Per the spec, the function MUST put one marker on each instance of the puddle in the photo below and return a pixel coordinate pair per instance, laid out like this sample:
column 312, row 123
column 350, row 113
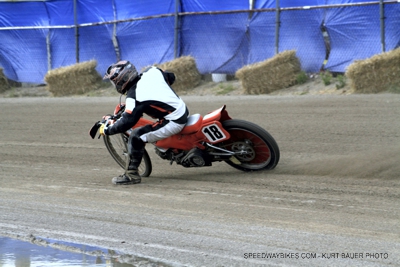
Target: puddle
column 47, row 252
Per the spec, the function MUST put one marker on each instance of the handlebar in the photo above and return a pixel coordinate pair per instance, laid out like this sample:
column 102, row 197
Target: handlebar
column 119, row 110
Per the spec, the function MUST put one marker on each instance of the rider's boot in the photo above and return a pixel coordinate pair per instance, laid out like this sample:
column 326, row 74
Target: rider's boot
column 131, row 175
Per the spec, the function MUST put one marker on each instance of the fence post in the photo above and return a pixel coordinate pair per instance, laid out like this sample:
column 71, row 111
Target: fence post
column 76, row 32
column 382, row 13
column 277, row 26
column 48, row 48
column 176, row 32
column 114, row 34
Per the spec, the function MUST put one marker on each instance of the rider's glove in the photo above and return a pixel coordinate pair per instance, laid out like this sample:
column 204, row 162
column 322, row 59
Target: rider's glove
column 107, row 121
column 103, row 127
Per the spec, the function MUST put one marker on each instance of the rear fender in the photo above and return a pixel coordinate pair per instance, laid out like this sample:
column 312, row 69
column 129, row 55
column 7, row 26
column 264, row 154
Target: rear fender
column 217, row 115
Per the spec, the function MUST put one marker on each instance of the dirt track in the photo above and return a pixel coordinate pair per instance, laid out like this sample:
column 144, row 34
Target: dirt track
column 335, row 192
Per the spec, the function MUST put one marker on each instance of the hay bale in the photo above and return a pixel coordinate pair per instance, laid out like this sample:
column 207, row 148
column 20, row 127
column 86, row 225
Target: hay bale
column 186, row 73
column 4, row 85
column 376, row 74
column 72, row 80
column 270, row 75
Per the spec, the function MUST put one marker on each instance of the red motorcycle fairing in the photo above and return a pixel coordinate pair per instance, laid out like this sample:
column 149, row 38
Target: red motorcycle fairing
column 210, row 130
column 119, row 108
column 204, row 129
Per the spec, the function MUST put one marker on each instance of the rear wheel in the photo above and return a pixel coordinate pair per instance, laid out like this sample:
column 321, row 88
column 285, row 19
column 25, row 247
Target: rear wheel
column 257, row 149
column 117, row 145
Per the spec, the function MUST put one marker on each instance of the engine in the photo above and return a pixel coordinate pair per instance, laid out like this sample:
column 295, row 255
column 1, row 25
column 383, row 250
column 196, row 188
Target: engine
column 194, row 158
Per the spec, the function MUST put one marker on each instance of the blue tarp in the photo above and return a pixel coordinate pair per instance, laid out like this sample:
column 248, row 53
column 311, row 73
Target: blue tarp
column 212, row 5
column 392, row 26
column 220, row 43
column 146, row 42
column 262, row 36
column 301, row 31
column 217, row 42
column 354, row 35
column 23, row 53
column 215, row 53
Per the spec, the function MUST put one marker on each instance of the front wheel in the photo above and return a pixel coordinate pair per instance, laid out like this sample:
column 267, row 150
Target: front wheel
column 117, row 145
column 256, row 149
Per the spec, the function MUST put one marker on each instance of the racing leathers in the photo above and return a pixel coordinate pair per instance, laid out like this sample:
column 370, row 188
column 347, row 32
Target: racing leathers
column 151, row 95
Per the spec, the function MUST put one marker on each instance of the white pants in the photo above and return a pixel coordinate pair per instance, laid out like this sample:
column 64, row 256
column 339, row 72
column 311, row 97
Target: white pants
column 164, row 131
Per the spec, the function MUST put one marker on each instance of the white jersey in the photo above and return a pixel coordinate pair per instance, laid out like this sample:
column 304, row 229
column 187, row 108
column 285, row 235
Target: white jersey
column 153, row 96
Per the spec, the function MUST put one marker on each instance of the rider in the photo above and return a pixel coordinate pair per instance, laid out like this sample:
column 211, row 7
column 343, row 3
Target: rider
column 149, row 93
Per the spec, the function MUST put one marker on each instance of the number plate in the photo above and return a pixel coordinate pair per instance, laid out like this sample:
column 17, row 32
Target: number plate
column 213, row 133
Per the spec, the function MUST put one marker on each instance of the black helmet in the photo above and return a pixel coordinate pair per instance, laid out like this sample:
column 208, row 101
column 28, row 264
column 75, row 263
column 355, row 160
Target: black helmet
column 120, row 74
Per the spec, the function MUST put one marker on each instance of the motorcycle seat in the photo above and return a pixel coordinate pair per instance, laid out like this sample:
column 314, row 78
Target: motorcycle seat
column 193, row 124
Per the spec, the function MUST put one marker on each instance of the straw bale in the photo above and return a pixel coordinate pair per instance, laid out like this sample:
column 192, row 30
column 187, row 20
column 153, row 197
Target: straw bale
column 75, row 79
column 4, row 85
column 376, row 74
column 187, row 76
column 270, row 75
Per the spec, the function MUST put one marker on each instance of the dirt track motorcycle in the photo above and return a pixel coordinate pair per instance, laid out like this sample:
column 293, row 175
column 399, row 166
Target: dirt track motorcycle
column 214, row 137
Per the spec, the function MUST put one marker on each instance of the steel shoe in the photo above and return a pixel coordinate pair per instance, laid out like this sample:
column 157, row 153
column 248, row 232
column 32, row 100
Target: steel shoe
column 130, row 177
